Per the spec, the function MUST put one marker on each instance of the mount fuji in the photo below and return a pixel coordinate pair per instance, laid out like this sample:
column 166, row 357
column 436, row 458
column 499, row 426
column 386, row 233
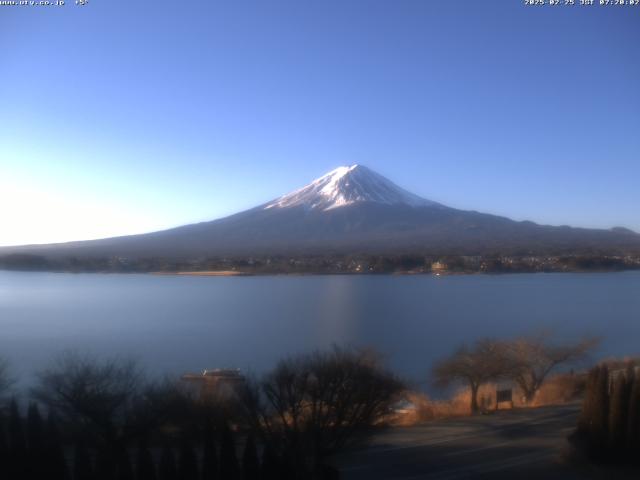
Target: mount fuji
column 347, row 186
column 349, row 210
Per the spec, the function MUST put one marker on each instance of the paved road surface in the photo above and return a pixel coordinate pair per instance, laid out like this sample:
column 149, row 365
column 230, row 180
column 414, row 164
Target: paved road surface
column 514, row 444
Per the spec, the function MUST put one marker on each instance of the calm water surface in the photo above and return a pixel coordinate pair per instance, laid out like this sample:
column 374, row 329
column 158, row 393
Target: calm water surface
column 176, row 324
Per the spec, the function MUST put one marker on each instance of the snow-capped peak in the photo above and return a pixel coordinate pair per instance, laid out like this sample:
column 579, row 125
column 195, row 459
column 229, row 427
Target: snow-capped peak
column 345, row 186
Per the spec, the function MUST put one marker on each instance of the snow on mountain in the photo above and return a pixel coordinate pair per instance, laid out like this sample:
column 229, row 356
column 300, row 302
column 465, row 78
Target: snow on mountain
column 345, row 186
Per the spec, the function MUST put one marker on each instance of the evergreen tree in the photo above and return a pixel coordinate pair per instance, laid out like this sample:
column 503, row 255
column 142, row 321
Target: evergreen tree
column 145, row 468
column 187, row 461
column 209, row 455
column 229, row 468
column 55, row 461
column 35, row 428
column 618, row 412
column 586, row 414
column 250, row 462
column 106, row 464
column 35, row 442
column 167, row 469
column 598, row 431
column 18, row 462
column 633, row 420
column 270, row 466
column 82, row 467
column 326, row 472
column 124, row 470
column 290, row 466
column 4, row 450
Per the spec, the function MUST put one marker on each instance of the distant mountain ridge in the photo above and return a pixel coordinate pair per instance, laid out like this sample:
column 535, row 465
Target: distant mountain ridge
column 349, row 210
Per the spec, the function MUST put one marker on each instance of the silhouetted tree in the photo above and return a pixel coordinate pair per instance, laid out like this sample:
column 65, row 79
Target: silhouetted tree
column 145, row 468
column 167, row 469
column 5, row 467
column 270, row 465
column 93, row 394
column 154, row 404
column 35, row 442
column 588, row 404
column 618, row 412
column 293, row 467
column 229, row 468
column 599, row 431
column 210, row 470
column 5, row 379
column 486, row 361
column 327, row 472
column 250, row 461
column 56, row 463
column 633, row 423
column 187, row 461
column 82, row 466
column 124, row 470
column 106, row 463
column 18, row 463
column 35, row 429
column 609, row 424
column 315, row 405
column 109, row 399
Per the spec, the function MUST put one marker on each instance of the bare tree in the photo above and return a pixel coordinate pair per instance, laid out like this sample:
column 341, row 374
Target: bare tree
column 5, row 380
column 484, row 362
column 109, row 398
column 315, row 405
column 531, row 359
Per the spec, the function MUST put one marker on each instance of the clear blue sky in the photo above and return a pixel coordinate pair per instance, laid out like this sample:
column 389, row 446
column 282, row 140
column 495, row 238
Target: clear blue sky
column 121, row 117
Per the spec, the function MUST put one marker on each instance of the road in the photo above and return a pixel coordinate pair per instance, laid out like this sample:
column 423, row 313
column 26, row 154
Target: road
column 514, row 444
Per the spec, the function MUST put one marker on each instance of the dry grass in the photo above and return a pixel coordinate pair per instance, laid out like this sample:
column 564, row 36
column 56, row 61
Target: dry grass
column 559, row 389
column 459, row 405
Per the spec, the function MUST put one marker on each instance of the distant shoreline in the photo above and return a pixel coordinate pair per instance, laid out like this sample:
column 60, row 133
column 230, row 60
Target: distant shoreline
column 363, row 264
column 358, row 274
column 231, row 273
column 207, row 273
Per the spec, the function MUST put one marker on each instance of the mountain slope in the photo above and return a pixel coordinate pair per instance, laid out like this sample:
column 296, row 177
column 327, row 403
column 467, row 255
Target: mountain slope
column 350, row 210
column 347, row 186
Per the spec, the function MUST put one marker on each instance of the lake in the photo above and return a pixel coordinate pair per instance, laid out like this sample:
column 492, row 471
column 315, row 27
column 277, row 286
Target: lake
column 176, row 324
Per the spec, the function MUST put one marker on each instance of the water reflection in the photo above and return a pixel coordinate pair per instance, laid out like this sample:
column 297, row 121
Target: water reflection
column 177, row 324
